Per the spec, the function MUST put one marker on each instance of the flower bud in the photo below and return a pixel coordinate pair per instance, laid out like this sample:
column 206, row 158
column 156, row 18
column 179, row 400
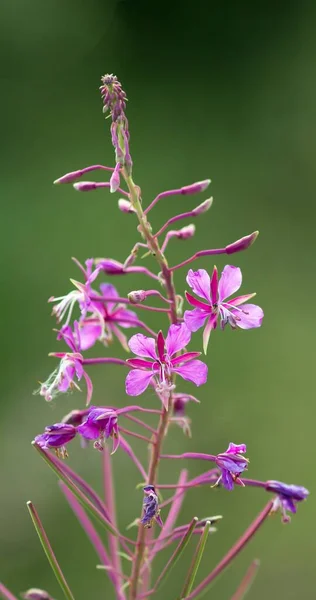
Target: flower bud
column 125, row 206
column 202, row 208
column 69, row 177
column 242, row 244
column 86, row 186
column 115, row 179
column 195, row 188
column 110, row 266
column 186, row 232
column 36, row 594
column 136, row 296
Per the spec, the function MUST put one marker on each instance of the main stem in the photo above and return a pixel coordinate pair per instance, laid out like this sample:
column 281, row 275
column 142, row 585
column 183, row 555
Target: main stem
column 153, row 245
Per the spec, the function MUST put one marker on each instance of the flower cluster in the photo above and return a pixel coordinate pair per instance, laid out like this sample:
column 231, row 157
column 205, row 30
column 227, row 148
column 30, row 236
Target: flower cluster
column 162, row 359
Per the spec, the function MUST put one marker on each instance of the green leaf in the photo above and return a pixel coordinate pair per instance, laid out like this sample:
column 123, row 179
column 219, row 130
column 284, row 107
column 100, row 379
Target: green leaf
column 49, row 551
column 193, row 569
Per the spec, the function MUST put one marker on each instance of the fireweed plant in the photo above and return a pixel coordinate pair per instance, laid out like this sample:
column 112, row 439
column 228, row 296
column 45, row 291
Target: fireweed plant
column 160, row 360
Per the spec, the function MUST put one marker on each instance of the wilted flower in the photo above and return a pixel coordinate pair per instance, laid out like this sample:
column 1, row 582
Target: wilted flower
column 217, row 306
column 65, row 304
column 179, row 402
column 163, row 362
column 56, row 437
column 287, row 497
column 151, row 510
column 99, row 424
column 62, row 379
column 232, row 464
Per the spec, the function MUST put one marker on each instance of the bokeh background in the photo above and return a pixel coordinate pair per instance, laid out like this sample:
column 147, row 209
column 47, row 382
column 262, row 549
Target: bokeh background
column 216, row 90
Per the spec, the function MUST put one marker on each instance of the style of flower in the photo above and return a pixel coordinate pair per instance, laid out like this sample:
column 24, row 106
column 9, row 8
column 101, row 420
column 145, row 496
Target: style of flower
column 56, row 437
column 63, row 378
column 232, row 464
column 287, row 497
column 100, row 424
column 163, row 363
column 217, row 306
column 151, row 510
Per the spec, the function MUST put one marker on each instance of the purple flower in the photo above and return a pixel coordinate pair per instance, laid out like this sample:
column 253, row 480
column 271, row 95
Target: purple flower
column 99, row 424
column 287, row 497
column 163, row 362
column 151, row 510
column 217, row 306
column 232, row 464
column 56, row 436
column 62, row 379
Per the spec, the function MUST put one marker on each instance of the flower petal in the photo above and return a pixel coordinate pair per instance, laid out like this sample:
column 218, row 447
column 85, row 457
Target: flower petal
column 89, row 334
column 120, row 315
column 187, row 357
column 227, row 480
column 109, row 291
column 236, row 448
column 195, row 371
column 140, row 363
column 210, row 325
column 249, row 316
column 214, row 285
column 197, row 303
column 194, row 319
column 178, row 337
column 141, row 345
column 199, row 281
column 137, row 381
column 229, row 282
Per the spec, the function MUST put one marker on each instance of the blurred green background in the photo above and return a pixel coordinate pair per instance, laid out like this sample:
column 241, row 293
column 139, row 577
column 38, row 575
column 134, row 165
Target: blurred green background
column 221, row 91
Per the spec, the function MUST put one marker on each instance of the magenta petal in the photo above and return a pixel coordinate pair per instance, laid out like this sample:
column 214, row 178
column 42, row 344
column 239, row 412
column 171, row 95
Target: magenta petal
column 236, row 448
column 211, row 324
column 229, row 282
column 140, row 363
column 141, row 345
column 89, row 388
column 195, row 319
column 66, row 378
column 249, row 316
column 197, row 303
column 187, row 357
column 178, row 337
column 137, row 381
column 109, row 291
column 199, row 281
column 195, row 371
column 240, row 299
column 89, row 334
column 214, row 285
column 129, row 315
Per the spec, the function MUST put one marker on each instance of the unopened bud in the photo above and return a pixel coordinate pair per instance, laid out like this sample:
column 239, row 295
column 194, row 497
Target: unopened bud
column 110, row 266
column 86, row 186
column 36, row 594
column 202, row 208
column 69, row 177
column 242, row 244
column 196, row 188
column 186, row 232
column 126, row 206
column 137, row 296
column 115, row 179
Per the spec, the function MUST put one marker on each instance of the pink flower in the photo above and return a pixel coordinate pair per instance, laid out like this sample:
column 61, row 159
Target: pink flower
column 163, row 362
column 217, row 306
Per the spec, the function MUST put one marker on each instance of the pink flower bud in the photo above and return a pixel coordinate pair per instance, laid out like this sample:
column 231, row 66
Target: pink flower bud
column 69, row 177
column 125, row 206
column 137, row 296
column 242, row 244
column 86, row 186
column 196, row 188
column 202, row 208
column 110, row 266
column 186, row 232
column 36, row 594
column 115, row 179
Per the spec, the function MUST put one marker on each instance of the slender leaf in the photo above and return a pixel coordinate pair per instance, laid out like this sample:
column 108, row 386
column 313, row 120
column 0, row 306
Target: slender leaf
column 81, row 497
column 49, row 552
column 247, row 581
column 193, row 569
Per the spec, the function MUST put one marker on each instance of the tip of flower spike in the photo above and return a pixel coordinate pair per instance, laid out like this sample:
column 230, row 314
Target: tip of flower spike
column 242, row 244
column 196, row 188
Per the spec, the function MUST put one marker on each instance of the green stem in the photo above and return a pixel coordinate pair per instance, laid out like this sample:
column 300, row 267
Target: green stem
column 49, row 552
column 153, row 245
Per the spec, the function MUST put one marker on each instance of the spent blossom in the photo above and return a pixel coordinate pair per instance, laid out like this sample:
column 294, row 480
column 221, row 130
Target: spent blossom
column 63, row 378
column 288, row 495
column 217, row 306
column 56, row 437
column 164, row 362
column 100, row 424
column 232, row 464
column 151, row 510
